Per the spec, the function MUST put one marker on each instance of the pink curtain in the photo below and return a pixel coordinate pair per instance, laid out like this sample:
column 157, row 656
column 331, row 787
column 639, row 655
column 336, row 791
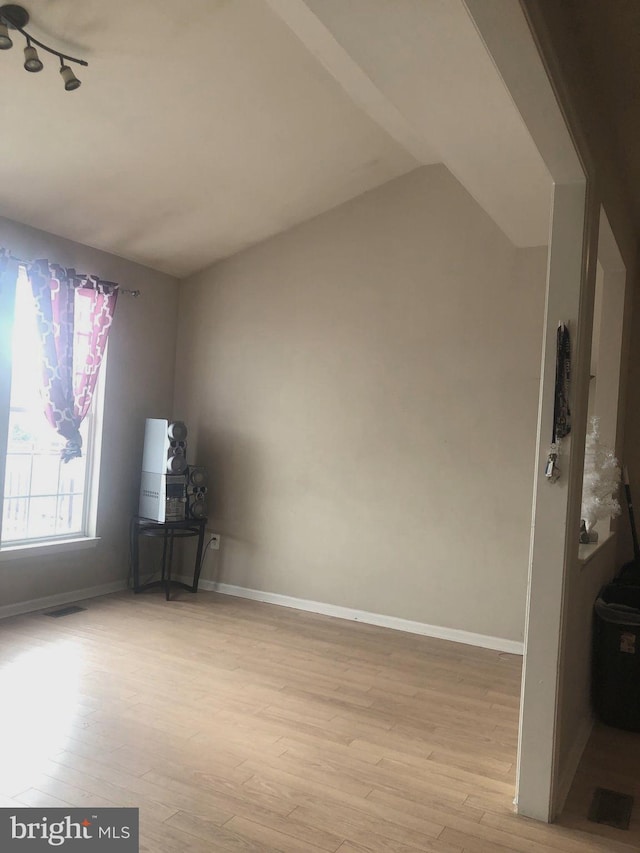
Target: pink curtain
column 71, row 356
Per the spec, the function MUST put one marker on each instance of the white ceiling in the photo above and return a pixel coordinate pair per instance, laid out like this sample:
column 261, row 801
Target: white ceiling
column 206, row 126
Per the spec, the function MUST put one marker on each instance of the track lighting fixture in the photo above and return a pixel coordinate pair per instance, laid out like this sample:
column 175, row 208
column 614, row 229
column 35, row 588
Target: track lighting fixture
column 32, row 61
column 5, row 38
column 71, row 82
column 13, row 17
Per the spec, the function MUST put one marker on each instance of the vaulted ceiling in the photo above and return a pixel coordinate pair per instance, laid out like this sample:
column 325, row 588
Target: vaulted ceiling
column 204, row 127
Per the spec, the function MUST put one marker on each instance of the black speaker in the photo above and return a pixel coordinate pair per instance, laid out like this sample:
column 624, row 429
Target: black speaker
column 177, row 457
column 196, row 492
column 177, row 450
column 197, row 476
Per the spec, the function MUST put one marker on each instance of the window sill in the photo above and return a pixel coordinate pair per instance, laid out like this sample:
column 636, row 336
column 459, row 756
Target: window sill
column 588, row 552
column 35, row 549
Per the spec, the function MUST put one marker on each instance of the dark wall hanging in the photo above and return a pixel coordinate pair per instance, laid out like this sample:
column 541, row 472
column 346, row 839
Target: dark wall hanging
column 561, row 410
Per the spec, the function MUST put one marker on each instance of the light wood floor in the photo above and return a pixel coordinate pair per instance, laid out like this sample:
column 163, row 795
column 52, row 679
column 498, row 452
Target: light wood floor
column 611, row 760
column 245, row 727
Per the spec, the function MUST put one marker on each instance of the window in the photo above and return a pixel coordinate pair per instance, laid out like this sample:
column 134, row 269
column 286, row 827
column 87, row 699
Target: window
column 606, row 344
column 44, row 498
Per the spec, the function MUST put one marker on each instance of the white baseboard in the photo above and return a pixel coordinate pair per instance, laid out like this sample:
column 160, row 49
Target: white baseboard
column 573, row 760
column 455, row 635
column 62, row 598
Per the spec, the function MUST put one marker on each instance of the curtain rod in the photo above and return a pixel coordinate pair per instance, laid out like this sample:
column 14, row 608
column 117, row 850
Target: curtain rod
column 80, row 277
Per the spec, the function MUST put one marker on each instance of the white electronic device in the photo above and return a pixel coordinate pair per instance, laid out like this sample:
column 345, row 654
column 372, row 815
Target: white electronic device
column 163, row 486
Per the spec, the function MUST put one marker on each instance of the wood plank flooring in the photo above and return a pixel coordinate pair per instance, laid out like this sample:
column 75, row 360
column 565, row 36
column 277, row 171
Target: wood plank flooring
column 611, row 760
column 239, row 726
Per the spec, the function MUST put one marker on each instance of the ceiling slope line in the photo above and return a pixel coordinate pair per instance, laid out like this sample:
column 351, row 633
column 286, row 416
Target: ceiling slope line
column 349, row 75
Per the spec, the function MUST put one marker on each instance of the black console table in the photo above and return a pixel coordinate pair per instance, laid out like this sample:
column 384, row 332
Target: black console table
column 169, row 530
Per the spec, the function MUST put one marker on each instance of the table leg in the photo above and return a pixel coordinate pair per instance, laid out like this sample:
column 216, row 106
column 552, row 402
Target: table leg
column 134, row 555
column 164, row 553
column 163, row 579
column 168, row 587
column 198, row 566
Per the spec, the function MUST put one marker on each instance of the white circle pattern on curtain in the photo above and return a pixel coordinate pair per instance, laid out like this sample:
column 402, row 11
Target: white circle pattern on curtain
column 71, row 357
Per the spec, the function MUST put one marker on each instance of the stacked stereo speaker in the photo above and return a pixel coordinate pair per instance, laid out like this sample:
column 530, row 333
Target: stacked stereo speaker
column 170, row 489
column 196, row 492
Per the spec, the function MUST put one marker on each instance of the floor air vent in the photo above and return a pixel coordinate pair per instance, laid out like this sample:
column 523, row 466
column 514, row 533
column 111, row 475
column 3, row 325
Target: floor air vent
column 65, row 611
column 611, row 807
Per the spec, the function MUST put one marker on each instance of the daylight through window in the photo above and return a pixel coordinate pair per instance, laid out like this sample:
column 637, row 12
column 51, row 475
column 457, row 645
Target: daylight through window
column 44, row 498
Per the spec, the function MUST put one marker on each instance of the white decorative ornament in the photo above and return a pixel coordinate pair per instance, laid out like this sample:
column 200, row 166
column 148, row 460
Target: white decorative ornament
column 601, row 479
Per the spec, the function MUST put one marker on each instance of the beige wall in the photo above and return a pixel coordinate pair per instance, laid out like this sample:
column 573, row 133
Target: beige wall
column 139, row 384
column 363, row 389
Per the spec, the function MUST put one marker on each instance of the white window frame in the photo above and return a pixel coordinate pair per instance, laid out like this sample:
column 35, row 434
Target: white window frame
column 53, row 544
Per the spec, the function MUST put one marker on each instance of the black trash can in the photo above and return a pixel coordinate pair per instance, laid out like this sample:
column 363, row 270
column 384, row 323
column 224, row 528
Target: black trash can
column 616, row 656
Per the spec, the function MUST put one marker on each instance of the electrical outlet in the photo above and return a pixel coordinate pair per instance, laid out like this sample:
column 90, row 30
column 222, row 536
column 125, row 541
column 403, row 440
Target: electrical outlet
column 214, row 541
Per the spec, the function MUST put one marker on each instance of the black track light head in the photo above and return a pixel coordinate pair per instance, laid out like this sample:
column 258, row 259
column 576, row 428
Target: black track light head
column 71, row 82
column 32, row 61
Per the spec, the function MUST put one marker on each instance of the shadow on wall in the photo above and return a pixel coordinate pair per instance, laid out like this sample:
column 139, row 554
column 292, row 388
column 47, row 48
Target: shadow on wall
column 234, row 471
